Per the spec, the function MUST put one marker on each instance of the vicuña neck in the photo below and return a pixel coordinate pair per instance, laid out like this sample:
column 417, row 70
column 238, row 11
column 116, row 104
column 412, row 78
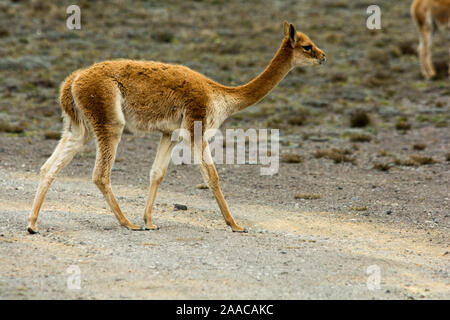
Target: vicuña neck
column 250, row 93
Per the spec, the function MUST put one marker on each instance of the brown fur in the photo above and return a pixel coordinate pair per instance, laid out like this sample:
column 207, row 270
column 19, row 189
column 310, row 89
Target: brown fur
column 427, row 14
column 99, row 100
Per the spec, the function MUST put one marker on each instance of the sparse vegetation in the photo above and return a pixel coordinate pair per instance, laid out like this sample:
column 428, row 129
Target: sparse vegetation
column 335, row 154
column 163, row 36
column 297, row 120
column 402, row 124
column 406, row 163
column 291, row 158
column 307, row 196
column 419, row 146
column 338, row 77
column 407, row 47
column 55, row 135
column 364, row 208
column 415, row 160
column 216, row 46
column 382, row 166
column 422, row 160
column 360, row 137
column 359, row 119
column 385, row 153
column 11, row 127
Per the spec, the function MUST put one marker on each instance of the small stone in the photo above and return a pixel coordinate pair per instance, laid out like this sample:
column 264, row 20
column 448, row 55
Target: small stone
column 179, row 206
column 388, row 212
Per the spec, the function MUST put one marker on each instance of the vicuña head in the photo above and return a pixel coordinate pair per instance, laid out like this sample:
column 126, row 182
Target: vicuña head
column 305, row 52
column 152, row 96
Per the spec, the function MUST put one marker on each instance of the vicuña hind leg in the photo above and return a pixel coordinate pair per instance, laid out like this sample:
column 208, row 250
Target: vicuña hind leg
column 107, row 140
column 211, row 177
column 157, row 174
column 71, row 142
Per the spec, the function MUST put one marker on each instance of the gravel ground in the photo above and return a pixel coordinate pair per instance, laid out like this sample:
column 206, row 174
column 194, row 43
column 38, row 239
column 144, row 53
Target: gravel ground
column 296, row 249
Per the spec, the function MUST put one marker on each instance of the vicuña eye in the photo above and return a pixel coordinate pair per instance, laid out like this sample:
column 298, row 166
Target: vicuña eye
column 307, row 48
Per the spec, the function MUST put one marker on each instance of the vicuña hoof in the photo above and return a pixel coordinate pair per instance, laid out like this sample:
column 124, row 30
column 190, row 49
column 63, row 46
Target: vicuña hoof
column 32, row 230
column 242, row 230
column 152, row 227
column 134, row 227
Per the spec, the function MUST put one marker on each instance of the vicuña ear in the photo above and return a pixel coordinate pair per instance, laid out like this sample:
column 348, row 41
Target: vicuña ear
column 286, row 28
column 292, row 35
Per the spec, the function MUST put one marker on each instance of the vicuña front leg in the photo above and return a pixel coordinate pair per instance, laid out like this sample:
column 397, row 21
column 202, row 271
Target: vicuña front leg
column 107, row 141
column 211, row 177
column 157, row 174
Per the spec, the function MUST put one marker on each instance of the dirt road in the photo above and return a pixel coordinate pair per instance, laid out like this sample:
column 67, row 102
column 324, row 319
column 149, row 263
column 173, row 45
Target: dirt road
column 294, row 250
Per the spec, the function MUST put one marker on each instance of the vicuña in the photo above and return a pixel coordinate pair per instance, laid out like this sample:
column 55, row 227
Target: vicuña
column 153, row 96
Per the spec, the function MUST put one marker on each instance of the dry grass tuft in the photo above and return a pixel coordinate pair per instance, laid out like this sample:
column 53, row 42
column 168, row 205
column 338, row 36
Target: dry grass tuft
column 360, row 208
column 360, row 137
column 419, row 146
column 307, row 196
column 359, row 119
column 407, row 47
column 52, row 135
column 406, row 163
column 415, row 160
column 163, row 36
column 11, row 127
column 382, row 166
column 337, row 155
column 292, row 158
column 402, row 124
column 297, row 121
column 422, row 160
column 338, row 77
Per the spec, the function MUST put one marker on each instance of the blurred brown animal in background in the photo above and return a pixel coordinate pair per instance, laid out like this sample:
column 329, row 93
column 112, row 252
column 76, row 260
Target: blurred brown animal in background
column 428, row 14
